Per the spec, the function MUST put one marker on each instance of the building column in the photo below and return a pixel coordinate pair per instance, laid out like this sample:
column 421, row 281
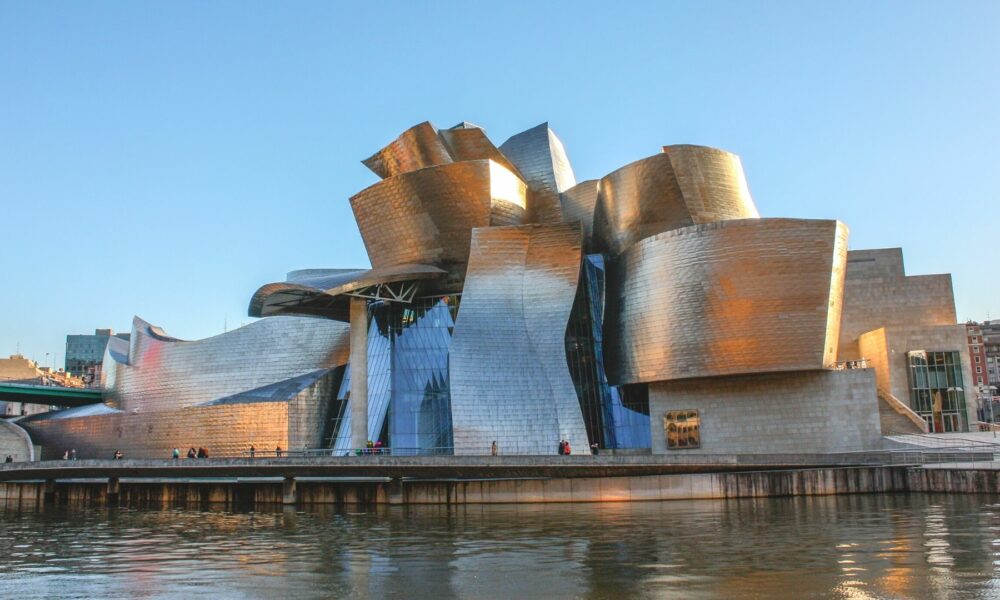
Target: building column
column 359, row 372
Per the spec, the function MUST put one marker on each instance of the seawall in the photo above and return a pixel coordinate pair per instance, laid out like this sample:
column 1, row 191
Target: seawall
column 239, row 493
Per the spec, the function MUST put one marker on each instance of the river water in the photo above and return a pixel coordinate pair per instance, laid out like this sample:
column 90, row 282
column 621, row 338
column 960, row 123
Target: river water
column 891, row 546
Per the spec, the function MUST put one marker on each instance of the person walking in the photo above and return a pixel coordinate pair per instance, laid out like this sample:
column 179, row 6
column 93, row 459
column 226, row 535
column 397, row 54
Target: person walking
column 192, row 453
column 72, row 454
column 176, row 453
column 253, row 451
column 9, row 459
column 493, row 448
column 119, row 455
column 277, row 451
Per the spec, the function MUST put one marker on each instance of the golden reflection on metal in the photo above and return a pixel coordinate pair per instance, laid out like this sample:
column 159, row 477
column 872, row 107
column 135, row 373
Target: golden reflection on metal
column 416, row 148
column 427, row 216
column 578, row 205
column 466, row 141
column 732, row 297
column 683, row 186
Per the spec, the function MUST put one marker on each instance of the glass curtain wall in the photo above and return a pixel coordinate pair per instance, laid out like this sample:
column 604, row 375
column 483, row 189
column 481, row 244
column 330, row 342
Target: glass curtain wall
column 614, row 419
column 937, row 391
column 409, row 398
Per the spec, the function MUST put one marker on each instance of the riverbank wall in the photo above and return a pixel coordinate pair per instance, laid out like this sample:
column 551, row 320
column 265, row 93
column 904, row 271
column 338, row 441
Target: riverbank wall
column 243, row 494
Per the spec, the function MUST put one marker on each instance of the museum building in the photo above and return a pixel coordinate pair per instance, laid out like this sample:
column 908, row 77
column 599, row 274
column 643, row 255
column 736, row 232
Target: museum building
column 652, row 310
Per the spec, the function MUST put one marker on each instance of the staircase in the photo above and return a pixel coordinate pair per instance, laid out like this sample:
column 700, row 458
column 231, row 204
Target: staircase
column 897, row 417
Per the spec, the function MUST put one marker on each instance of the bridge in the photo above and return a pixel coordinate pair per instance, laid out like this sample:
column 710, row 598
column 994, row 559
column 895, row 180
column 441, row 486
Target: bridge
column 48, row 394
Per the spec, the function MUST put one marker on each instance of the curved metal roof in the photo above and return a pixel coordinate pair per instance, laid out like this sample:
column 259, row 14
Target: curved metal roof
column 327, row 295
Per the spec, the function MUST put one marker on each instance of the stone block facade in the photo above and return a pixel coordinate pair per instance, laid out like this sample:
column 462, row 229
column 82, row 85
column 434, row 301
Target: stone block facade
column 809, row 411
column 885, row 349
column 878, row 293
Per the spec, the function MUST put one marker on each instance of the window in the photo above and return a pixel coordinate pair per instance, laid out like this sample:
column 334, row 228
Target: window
column 936, row 389
column 979, row 369
column 977, row 359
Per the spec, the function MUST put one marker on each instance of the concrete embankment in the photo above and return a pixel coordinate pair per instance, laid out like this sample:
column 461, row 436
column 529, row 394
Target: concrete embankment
column 241, row 493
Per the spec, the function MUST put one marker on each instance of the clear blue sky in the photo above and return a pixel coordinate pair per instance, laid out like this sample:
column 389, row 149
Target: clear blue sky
column 165, row 159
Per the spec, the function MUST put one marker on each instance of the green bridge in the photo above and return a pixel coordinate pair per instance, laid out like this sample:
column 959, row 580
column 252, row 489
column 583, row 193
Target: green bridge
column 48, row 394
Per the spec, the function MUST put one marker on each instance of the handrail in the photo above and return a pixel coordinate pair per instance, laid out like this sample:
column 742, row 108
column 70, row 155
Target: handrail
column 903, row 409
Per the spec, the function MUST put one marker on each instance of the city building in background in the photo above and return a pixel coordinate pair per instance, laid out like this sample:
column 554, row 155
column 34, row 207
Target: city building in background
column 85, row 353
column 16, row 369
column 652, row 310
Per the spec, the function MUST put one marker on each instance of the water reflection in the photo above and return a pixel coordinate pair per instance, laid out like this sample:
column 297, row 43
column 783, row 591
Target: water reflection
column 841, row 547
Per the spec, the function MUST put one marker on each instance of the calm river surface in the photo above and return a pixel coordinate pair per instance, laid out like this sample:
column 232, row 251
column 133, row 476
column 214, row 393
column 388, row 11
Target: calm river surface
column 897, row 546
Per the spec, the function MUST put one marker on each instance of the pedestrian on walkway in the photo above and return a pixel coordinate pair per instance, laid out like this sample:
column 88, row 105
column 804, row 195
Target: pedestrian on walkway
column 176, row 453
column 253, row 451
column 192, row 453
column 277, row 451
column 493, row 448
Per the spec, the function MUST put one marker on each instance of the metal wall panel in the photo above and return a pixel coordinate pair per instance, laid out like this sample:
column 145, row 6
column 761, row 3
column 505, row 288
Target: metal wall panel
column 578, row 205
column 427, row 216
column 163, row 373
column 416, row 148
column 539, row 155
column 509, row 376
column 683, row 186
column 466, row 141
column 731, row 297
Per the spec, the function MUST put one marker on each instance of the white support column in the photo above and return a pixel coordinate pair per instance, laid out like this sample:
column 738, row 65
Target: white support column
column 359, row 372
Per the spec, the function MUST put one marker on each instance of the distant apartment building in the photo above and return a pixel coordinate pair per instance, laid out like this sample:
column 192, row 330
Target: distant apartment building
column 991, row 347
column 977, row 353
column 84, row 353
column 18, row 369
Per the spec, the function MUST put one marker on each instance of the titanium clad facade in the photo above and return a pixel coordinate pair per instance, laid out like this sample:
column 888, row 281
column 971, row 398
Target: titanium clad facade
column 163, row 373
column 416, row 148
column 684, row 186
column 540, row 157
column 578, row 205
column 427, row 216
column 466, row 141
column 509, row 376
column 732, row 297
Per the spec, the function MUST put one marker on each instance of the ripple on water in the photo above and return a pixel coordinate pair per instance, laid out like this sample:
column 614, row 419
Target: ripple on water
column 846, row 547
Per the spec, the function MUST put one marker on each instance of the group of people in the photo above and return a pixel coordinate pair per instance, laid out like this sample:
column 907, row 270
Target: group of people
column 375, row 447
column 69, row 454
column 9, row 459
column 277, row 451
column 201, row 452
column 564, row 449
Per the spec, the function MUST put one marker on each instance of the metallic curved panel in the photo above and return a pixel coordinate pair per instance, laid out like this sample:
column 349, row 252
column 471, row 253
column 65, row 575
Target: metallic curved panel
column 416, row 148
column 683, row 186
column 326, row 294
column 540, row 157
column 509, row 377
column 166, row 375
column 578, row 205
column 427, row 216
column 731, row 297
column 466, row 141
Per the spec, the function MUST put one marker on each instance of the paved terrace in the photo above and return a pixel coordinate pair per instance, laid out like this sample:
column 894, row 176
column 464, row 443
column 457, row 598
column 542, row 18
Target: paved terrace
column 458, row 467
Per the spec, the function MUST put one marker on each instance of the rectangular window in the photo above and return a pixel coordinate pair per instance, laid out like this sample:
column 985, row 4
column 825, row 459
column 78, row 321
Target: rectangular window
column 936, row 389
column 979, row 369
column 977, row 359
column 683, row 429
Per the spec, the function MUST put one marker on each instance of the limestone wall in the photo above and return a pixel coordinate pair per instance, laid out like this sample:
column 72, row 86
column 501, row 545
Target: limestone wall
column 877, row 293
column 810, row 411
